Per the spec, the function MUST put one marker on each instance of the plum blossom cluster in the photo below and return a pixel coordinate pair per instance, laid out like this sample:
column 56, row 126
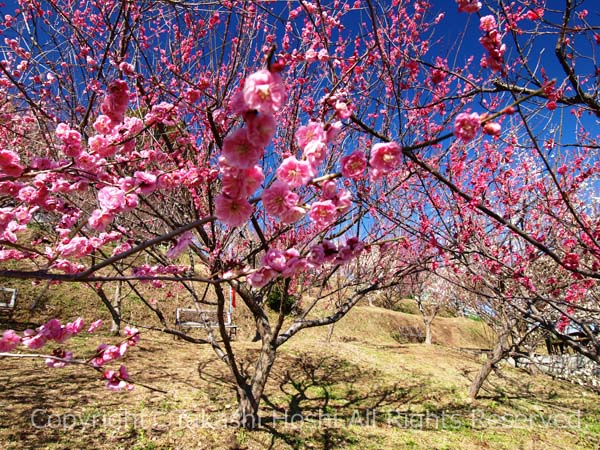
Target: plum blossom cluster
column 181, row 244
column 146, row 272
column 466, row 126
column 13, row 220
column 54, row 331
column 333, row 202
column 49, row 183
column 116, row 380
column 263, row 94
column 492, row 42
column 288, row 263
column 106, row 353
column 80, row 246
column 282, row 202
column 116, row 139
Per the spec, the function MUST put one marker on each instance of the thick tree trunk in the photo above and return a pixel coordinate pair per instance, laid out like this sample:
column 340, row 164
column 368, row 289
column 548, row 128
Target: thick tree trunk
column 249, row 399
column 247, row 413
column 501, row 350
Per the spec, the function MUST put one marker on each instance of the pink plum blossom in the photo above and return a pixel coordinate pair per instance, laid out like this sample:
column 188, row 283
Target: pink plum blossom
column 111, row 199
column 385, row 157
column 466, row 126
column 349, row 251
column 232, row 211
column 53, row 330
column 329, row 190
column 78, row 246
column 260, row 128
column 59, row 353
column 571, row 261
column 321, row 253
column 323, row 213
column 281, row 202
column 133, row 333
column 295, row 173
column 103, row 125
column 115, row 103
column 71, row 140
column 164, row 113
column 107, row 353
column 261, row 277
column 237, row 183
column 127, row 69
column 100, row 219
column 76, row 326
column 95, row 325
column 487, row 23
column 146, row 182
column 294, row 265
column 354, row 165
column 239, row 152
column 313, row 131
column 492, row 128
column 275, row 259
column 333, row 131
column 264, row 92
column 182, row 243
column 35, row 341
column 341, row 199
column 67, row 266
column 293, row 215
column 102, row 146
column 117, row 381
column 237, row 104
column 342, row 110
column 9, row 341
column 315, row 152
column 10, row 164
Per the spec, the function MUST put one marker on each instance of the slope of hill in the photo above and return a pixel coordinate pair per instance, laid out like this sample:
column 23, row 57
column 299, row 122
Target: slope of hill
column 370, row 324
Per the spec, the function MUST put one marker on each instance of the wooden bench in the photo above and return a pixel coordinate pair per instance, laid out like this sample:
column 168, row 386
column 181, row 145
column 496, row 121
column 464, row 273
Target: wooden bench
column 8, row 301
column 188, row 318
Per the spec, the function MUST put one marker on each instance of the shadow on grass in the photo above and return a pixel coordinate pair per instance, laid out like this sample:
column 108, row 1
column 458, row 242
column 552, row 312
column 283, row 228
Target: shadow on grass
column 326, row 392
column 311, row 386
column 41, row 407
column 34, row 402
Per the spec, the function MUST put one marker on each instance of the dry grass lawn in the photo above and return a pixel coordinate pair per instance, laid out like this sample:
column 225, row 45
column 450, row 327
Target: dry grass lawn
column 360, row 390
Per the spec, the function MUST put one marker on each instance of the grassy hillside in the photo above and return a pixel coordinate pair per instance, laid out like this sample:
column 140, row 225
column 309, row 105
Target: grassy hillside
column 370, row 324
column 360, row 389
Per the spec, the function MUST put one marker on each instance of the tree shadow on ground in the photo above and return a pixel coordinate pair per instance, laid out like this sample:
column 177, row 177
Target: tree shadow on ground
column 310, row 386
column 324, row 391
